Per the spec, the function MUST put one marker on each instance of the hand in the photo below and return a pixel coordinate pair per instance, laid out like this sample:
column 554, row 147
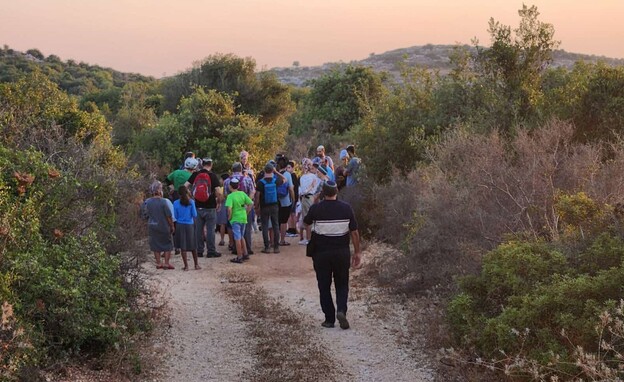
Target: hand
column 356, row 260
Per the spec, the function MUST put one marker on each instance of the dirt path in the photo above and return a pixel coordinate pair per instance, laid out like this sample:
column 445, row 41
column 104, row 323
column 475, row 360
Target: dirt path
column 261, row 320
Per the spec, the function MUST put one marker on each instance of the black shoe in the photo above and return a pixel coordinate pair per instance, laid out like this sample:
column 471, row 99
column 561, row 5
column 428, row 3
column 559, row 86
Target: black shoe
column 266, row 250
column 246, row 257
column 237, row 260
column 201, row 255
column 327, row 324
column 276, row 250
column 216, row 254
column 342, row 319
column 250, row 252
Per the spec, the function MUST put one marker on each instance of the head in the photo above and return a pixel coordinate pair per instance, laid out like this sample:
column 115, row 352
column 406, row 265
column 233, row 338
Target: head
column 155, row 188
column 268, row 170
column 244, row 157
column 351, row 150
column 237, row 167
column 190, row 164
column 207, row 163
column 234, row 183
column 290, row 167
column 281, row 161
column 189, row 154
column 306, row 165
column 185, row 195
column 344, row 156
column 320, row 151
column 330, row 189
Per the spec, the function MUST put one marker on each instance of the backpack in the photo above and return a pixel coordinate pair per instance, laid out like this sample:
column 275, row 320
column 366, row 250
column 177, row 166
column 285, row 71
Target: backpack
column 202, row 187
column 270, row 191
column 282, row 190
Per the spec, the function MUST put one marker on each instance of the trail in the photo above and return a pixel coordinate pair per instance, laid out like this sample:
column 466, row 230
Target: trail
column 261, row 320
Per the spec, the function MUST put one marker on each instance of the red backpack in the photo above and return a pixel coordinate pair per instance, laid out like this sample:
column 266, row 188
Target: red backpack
column 202, row 187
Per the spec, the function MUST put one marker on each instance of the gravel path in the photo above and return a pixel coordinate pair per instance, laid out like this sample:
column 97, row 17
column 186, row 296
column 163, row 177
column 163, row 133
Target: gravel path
column 208, row 339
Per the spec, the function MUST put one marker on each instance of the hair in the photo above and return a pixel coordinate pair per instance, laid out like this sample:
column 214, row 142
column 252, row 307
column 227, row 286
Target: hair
column 234, row 185
column 189, row 154
column 291, row 163
column 237, row 167
column 224, row 176
column 351, row 149
column 185, row 195
column 330, row 189
column 155, row 187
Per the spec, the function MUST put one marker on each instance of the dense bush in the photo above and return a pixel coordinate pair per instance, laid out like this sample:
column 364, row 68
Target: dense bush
column 66, row 198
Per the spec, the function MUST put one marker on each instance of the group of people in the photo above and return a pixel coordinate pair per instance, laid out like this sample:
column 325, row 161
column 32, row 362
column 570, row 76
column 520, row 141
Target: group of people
column 285, row 203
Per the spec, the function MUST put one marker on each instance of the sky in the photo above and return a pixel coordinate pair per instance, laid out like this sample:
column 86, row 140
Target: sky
column 164, row 37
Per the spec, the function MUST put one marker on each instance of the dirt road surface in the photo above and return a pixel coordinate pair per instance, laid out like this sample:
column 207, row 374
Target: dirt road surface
column 260, row 321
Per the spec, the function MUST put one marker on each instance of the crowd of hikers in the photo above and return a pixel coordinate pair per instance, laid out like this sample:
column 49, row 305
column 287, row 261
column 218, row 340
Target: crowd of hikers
column 274, row 199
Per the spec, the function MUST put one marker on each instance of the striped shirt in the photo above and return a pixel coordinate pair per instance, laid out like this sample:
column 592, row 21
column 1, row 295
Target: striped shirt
column 332, row 222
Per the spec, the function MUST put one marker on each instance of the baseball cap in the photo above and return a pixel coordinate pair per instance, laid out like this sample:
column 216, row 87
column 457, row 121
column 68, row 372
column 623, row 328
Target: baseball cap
column 343, row 154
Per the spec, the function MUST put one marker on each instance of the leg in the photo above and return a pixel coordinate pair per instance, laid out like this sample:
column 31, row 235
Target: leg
column 195, row 260
column 340, row 267
column 211, row 222
column 167, row 258
column 276, row 225
column 184, row 260
column 157, row 258
column 322, row 268
column 264, row 217
column 200, row 222
column 248, row 232
column 222, row 234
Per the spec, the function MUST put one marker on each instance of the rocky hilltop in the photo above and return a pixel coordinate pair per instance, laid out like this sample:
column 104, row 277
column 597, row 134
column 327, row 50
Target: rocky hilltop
column 435, row 57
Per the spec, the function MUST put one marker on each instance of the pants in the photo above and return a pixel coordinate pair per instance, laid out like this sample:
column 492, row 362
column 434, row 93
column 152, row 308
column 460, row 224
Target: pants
column 328, row 265
column 270, row 213
column 248, row 229
column 206, row 217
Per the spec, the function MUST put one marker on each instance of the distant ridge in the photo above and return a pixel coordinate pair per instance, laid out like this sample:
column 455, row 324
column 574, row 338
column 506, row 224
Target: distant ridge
column 430, row 56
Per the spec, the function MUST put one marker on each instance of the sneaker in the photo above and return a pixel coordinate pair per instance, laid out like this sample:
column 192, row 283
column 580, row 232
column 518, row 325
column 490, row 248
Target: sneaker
column 284, row 243
column 266, row 250
column 216, row 254
column 327, row 324
column 304, row 242
column 290, row 234
column 237, row 260
column 276, row 250
column 342, row 319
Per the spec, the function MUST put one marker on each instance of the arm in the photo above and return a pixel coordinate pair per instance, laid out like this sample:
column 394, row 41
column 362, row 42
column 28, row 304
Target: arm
column 171, row 225
column 356, row 259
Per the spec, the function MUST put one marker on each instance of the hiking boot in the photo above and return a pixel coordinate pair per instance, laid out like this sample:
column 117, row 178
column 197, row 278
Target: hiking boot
column 276, row 250
column 327, row 324
column 266, row 250
column 342, row 319
column 216, row 254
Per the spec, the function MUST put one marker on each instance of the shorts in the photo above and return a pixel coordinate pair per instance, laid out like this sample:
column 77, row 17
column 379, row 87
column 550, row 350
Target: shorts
column 238, row 230
column 306, row 203
column 284, row 214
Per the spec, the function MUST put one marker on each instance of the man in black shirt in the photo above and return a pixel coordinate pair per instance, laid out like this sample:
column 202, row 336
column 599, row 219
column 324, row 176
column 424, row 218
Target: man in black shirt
column 206, row 211
column 333, row 224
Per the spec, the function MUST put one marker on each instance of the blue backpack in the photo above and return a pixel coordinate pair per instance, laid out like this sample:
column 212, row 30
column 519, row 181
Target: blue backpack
column 282, row 189
column 270, row 191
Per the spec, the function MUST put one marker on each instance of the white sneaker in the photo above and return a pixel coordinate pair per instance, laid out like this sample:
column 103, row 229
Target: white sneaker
column 292, row 234
column 304, row 242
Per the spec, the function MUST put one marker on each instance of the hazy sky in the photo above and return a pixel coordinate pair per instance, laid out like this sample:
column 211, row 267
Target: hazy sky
column 158, row 37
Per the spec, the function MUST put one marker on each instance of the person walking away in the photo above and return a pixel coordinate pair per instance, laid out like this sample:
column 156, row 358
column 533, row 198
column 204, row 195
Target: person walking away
column 353, row 167
column 333, row 224
column 266, row 204
column 309, row 184
column 203, row 184
column 178, row 177
column 285, row 201
column 238, row 205
column 246, row 185
column 185, row 214
column 222, row 221
column 160, row 225
column 320, row 154
column 292, row 221
column 341, row 178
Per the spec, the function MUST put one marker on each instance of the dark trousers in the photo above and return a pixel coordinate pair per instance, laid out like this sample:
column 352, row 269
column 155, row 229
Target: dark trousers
column 270, row 213
column 333, row 265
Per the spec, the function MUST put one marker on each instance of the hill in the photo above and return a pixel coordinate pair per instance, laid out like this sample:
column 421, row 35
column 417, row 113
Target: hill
column 73, row 77
column 435, row 57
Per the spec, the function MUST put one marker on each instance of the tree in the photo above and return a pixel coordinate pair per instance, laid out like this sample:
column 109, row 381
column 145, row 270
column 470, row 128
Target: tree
column 512, row 66
column 340, row 99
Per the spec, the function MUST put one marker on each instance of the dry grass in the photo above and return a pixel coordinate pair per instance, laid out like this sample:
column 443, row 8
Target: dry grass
column 283, row 347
